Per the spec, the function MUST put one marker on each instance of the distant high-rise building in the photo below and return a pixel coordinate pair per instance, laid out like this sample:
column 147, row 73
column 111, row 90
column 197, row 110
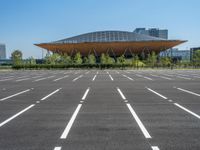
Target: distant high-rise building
column 192, row 51
column 155, row 32
column 2, row 51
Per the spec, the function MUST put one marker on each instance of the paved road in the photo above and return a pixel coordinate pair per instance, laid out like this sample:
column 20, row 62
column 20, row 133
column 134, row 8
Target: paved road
column 100, row 110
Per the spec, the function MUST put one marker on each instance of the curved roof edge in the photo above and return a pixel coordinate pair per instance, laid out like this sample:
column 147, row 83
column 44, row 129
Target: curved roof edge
column 108, row 36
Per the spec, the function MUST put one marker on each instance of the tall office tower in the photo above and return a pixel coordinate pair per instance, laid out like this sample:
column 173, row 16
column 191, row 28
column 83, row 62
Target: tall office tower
column 2, row 51
column 155, row 32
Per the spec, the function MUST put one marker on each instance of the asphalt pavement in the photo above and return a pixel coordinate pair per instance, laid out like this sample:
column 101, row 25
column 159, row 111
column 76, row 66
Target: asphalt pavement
column 100, row 110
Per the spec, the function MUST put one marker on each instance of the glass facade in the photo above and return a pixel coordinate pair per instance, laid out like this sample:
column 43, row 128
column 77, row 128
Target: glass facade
column 183, row 55
column 152, row 32
column 108, row 36
column 2, row 51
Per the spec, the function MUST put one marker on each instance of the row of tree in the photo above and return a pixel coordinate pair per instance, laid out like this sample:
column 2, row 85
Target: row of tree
column 152, row 60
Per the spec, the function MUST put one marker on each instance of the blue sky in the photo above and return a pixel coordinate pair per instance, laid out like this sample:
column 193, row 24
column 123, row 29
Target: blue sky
column 25, row 22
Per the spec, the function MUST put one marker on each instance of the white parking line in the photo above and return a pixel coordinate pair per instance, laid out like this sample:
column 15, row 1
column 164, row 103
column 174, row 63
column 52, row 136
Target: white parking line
column 43, row 78
column 147, row 78
column 60, row 78
column 155, row 148
column 183, row 75
column 36, row 77
column 6, row 79
column 127, row 72
column 69, row 125
column 127, row 77
column 16, row 115
column 188, row 91
column 67, row 72
column 166, row 78
column 184, row 78
column 3, row 99
column 144, row 77
column 168, row 75
column 187, row 110
column 111, row 77
column 122, row 95
column 157, row 93
column 94, row 77
column 85, row 94
column 196, row 77
column 77, row 78
column 137, row 119
column 77, row 72
column 161, row 77
column 57, row 148
column 51, row 94
column 87, row 72
column 22, row 79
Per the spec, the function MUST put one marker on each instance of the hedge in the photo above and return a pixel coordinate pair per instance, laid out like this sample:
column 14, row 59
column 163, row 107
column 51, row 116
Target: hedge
column 78, row 66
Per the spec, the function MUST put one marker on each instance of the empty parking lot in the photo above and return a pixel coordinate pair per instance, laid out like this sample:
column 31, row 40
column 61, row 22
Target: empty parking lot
column 100, row 109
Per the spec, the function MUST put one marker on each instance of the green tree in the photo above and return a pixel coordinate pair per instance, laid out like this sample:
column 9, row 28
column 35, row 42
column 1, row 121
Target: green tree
column 85, row 60
column 165, row 61
column 78, row 58
column 66, row 59
column 16, row 57
column 91, row 59
column 53, row 59
column 135, row 61
column 121, row 60
column 103, row 59
column 31, row 61
column 152, row 59
column 109, row 60
column 196, row 58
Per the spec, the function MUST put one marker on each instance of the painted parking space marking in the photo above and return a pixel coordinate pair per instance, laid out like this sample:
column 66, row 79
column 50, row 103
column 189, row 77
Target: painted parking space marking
column 121, row 94
column 7, row 79
column 16, row 115
column 156, row 93
column 135, row 116
column 94, row 77
column 187, row 110
column 77, row 78
column 85, row 94
column 138, row 75
column 183, row 77
column 60, row 78
column 3, row 99
column 176, row 104
column 155, row 148
column 22, row 79
column 187, row 91
column 87, row 72
column 57, row 148
column 69, row 125
column 36, row 77
column 51, row 94
column 43, row 78
column 111, row 77
column 161, row 77
column 142, row 127
column 127, row 77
